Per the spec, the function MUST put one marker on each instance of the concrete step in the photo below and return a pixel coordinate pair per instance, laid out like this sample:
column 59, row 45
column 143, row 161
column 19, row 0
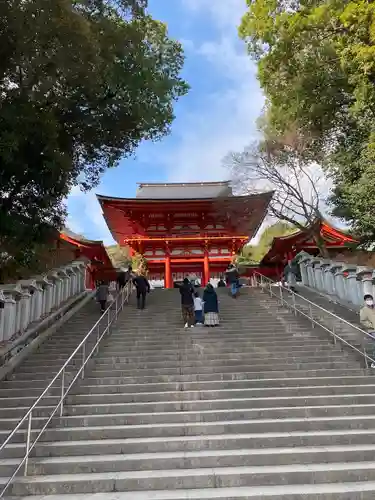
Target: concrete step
column 341, row 363
column 361, row 490
column 88, row 464
column 262, row 407
column 260, row 426
column 91, row 418
column 118, row 378
column 223, row 441
column 192, row 354
column 215, row 477
column 363, row 384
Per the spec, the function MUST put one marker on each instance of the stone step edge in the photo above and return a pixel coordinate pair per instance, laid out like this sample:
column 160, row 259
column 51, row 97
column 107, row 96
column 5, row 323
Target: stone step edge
column 349, row 418
column 210, row 437
column 190, row 401
column 86, row 416
column 215, row 471
column 119, row 457
column 299, row 491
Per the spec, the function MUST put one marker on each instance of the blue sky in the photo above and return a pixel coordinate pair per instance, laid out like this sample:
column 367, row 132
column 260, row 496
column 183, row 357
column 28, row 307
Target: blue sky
column 217, row 116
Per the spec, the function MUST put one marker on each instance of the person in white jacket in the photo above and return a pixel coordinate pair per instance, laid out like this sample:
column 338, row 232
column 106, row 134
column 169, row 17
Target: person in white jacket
column 198, row 309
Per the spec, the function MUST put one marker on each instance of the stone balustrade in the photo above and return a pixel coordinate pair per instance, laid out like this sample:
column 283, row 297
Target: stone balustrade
column 27, row 302
column 346, row 283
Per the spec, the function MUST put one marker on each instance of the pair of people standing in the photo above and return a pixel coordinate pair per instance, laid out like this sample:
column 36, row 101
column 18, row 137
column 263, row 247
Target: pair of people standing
column 193, row 306
column 233, row 279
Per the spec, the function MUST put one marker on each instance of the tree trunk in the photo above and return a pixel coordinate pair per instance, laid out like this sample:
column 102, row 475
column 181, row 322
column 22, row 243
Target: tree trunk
column 320, row 243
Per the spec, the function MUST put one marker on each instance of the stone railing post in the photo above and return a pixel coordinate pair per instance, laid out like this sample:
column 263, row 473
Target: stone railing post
column 365, row 283
column 12, row 306
column 303, row 263
column 328, row 280
column 350, row 283
column 64, row 288
column 310, row 273
column 79, row 268
column 338, row 279
column 45, row 287
column 318, row 273
column 28, row 288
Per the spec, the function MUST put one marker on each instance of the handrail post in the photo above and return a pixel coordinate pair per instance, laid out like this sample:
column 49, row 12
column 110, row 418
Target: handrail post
column 334, row 334
column 28, row 439
column 62, row 392
column 311, row 316
column 83, row 359
column 294, row 303
column 281, row 294
column 97, row 338
column 365, row 356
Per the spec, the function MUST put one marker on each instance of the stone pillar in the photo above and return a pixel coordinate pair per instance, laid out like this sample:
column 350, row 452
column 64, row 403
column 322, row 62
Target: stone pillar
column 12, row 296
column 310, row 273
column 350, row 283
column 46, row 289
column 28, row 288
column 167, row 273
column 338, row 277
column 64, row 287
column 327, row 277
column 365, row 283
column 79, row 267
column 54, row 279
column 318, row 274
column 303, row 267
column 37, row 301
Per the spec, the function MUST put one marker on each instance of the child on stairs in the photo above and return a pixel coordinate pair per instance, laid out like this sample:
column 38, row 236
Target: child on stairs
column 198, row 309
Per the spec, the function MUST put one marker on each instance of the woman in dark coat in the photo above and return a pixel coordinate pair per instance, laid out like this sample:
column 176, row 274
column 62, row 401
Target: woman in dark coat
column 211, row 307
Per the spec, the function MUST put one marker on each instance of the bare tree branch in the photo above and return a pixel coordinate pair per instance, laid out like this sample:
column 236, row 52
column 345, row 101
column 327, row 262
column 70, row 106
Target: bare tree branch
column 296, row 184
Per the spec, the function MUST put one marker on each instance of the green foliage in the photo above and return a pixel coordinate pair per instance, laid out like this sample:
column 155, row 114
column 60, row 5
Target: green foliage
column 82, row 83
column 252, row 254
column 119, row 255
column 316, row 62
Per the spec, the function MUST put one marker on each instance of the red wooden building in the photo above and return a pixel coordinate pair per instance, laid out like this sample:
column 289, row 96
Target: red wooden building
column 185, row 229
column 99, row 265
column 287, row 247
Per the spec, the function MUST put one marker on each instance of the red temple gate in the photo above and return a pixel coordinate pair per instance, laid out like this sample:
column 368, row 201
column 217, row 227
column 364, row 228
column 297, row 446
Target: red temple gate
column 185, row 229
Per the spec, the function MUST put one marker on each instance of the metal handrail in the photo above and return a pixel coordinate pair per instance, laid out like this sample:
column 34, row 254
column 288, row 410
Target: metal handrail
column 116, row 306
column 264, row 279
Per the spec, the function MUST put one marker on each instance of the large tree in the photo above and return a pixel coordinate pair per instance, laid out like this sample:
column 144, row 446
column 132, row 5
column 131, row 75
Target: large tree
column 296, row 184
column 316, row 63
column 82, row 83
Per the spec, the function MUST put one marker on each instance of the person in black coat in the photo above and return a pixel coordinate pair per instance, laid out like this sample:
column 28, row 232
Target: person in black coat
column 187, row 303
column 142, row 286
column 211, row 306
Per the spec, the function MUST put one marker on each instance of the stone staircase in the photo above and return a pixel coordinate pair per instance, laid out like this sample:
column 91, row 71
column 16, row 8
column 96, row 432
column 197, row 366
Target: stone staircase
column 261, row 408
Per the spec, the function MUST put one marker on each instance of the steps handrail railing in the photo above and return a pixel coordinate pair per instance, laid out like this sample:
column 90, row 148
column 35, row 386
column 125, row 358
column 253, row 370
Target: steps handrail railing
column 265, row 280
column 107, row 319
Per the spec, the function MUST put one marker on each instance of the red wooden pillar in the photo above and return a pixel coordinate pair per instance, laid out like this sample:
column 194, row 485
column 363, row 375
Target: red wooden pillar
column 206, row 269
column 167, row 273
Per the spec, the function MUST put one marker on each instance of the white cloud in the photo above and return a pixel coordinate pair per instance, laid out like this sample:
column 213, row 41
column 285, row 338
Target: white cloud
column 226, row 121
column 225, row 13
column 86, row 218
